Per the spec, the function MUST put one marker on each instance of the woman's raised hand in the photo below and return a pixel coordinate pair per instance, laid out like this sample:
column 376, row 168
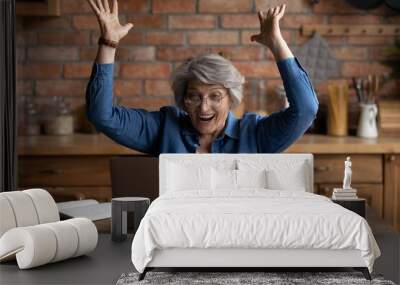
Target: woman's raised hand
column 270, row 33
column 110, row 27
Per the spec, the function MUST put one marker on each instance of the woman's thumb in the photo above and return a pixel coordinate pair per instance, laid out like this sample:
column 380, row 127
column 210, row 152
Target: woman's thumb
column 127, row 27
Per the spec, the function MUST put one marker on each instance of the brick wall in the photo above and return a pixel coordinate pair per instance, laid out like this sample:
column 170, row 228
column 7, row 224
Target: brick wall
column 55, row 54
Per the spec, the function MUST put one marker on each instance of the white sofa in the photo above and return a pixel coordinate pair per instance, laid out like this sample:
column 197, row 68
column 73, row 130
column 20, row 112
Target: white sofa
column 31, row 231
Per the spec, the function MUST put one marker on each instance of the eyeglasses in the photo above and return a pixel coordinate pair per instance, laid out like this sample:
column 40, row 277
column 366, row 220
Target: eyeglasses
column 195, row 100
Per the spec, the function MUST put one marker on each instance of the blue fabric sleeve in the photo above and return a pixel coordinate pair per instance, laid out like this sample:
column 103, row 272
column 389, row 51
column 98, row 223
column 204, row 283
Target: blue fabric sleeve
column 135, row 128
column 279, row 130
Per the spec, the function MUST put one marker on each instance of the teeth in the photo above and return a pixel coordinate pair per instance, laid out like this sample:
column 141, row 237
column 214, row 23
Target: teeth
column 206, row 118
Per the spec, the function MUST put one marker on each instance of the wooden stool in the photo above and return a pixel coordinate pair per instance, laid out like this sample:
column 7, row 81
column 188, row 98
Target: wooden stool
column 119, row 220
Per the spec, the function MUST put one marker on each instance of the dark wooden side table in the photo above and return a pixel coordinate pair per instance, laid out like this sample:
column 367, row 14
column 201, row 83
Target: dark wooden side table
column 119, row 215
column 355, row 205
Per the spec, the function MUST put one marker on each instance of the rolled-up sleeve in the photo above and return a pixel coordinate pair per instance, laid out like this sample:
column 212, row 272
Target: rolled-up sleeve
column 135, row 128
column 279, row 130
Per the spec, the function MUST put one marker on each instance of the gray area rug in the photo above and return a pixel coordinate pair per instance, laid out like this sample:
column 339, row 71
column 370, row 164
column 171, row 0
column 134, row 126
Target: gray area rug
column 229, row 278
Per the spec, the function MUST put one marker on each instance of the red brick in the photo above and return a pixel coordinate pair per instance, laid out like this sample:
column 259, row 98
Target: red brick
column 145, row 70
column 33, row 23
column 132, row 38
column 148, row 21
column 333, row 7
column 213, row 38
column 26, row 38
column 292, row 6
column 225, row 6
column 355, row 19
column 192, row 22
column 53, row 53
column 75, row 6
column 77, row 70
column 258, row 69
column 158, row 88
column 149, row 103
column 174, row 6
column 85, row 22
column 246, row 36
column 299, row 39
column 136, row 54
column 88, row 54
column 39, row 71
column 377, row 53
column 164, row 38
column 240, row 21
column 133, row 6
column 350, row 69
column 370, row 40
column 24, row 87
column 179, row 53
column 293, row 21
column 350, row 53
column 64, row 38
column 241, row 53
column 61, row 87
column 127, row 87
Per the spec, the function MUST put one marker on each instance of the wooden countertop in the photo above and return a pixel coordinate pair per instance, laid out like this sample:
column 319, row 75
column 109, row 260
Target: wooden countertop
column 88, row 144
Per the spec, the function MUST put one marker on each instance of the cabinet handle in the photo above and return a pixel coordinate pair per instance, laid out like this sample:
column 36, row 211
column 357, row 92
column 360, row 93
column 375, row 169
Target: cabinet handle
column 392, row 157
column 323, row 168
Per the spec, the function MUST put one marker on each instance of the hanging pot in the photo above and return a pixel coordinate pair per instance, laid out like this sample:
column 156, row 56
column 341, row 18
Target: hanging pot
column 366, row 4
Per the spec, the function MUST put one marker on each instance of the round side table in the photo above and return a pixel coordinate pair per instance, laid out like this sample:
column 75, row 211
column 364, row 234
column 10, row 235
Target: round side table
column 119, row 220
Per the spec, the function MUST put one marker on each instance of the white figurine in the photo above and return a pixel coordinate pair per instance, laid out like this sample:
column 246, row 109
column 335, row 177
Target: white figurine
column 347, row 174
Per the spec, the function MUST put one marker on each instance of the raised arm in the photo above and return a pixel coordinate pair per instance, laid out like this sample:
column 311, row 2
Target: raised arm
column 279, row 130
column 134, row 128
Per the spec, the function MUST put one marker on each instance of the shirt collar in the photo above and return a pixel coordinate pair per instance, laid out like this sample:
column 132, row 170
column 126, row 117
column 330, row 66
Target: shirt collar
column 231, row 126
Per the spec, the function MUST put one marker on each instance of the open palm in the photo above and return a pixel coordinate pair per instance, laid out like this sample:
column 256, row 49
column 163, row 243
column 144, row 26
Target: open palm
column 110, row 26
column 269, row 25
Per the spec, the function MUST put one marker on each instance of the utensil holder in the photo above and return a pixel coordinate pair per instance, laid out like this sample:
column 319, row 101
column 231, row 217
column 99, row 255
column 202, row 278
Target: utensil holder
column 338, row 110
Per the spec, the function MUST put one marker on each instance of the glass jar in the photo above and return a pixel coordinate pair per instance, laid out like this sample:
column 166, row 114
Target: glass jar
column 59, row 119
column 29, row 122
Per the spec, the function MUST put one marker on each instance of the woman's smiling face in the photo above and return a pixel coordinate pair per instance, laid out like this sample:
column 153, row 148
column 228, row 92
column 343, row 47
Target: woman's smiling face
column 208, row 107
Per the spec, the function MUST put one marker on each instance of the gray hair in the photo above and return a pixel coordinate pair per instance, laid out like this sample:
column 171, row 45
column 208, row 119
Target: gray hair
column 209, row 69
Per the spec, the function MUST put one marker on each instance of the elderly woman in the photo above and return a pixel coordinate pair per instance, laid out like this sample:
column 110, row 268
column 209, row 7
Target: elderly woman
column 206, row 88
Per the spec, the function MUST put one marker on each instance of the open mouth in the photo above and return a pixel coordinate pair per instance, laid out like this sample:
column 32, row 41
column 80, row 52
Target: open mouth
column 206, row 118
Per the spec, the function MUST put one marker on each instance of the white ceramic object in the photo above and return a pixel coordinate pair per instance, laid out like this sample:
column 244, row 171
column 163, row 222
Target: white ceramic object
column 367, row 127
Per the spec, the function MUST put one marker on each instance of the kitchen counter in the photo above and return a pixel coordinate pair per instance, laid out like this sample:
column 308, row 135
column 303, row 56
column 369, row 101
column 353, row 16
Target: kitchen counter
column 88, row 144
column 79, row 166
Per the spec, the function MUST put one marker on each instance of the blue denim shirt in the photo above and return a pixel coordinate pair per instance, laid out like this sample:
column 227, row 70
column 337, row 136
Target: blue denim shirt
column 169, row 130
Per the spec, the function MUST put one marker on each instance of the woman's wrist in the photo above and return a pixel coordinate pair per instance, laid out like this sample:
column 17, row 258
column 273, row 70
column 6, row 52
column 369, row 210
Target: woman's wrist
column 105, row 54
column 280, row 49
